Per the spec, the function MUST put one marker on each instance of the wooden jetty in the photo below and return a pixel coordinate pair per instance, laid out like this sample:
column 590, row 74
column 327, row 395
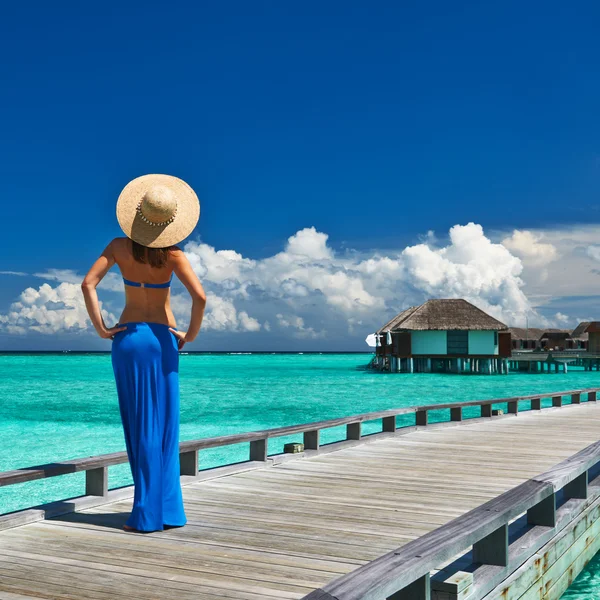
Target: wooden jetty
column 494, row 506
column 553, row 362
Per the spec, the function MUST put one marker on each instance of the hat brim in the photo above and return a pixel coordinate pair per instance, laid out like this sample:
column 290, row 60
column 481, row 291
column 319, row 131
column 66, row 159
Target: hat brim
column 188, row 212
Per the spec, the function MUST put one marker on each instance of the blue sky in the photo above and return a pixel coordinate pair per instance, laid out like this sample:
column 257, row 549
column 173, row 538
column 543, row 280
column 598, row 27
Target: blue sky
column 370, row 124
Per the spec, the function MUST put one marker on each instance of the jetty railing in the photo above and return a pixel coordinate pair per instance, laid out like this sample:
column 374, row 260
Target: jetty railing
column 96, row 467
column 547, row 503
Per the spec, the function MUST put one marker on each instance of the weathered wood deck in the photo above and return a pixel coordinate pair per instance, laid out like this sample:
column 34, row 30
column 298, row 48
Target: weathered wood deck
column 282, row 531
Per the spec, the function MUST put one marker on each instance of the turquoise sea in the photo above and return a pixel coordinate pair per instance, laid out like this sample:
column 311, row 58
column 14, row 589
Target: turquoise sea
column 55, row 407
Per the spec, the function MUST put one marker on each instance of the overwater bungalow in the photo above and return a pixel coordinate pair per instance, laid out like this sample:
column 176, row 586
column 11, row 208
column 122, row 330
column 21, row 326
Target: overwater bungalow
column 452, row 336
column 523, row 338
column 533, row 338
column 588, row 333
column 557, row 339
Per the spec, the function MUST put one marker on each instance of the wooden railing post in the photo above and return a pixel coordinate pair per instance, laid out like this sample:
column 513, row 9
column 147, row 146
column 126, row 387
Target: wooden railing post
column 311, row 440
column 456, row 413
column 188, row 463
column 557, row 401
column 457, row 586
column 258, row 450
column 96, row 482
column 536, row 404
column 513, row 408
column 578, row 488
column 575, row 398
column 354, row 431
column 493, row 549
column 388, row 424
column 417, row 590
column 544, row 512
column 486, row 410
column 422, row 417
column 591, row 396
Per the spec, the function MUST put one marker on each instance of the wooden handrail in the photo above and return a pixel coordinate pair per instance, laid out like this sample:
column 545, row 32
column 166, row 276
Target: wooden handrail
column 96, row 466
column 484, row 528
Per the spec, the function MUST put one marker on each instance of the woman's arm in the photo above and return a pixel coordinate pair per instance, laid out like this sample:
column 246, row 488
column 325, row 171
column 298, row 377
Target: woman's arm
column 183, row 269
column 88, row 287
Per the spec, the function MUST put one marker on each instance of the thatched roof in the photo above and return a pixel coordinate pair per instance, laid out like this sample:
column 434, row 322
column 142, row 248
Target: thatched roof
column 443, row 315
column 522, row 333
column 397, row 319
column 535, row 333
column 580, row 332
column 556, row 334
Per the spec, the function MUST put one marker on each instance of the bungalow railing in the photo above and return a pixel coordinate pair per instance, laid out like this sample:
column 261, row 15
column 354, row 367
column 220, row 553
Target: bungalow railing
column 576, row 353
column 545, row 504
column 96, row 467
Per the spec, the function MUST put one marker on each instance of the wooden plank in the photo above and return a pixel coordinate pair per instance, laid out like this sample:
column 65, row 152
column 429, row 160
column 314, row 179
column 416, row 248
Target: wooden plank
column 417, row 590
column 89, row 556
column 159, row 549
column 395, row 570
column 10, row 596
column 572, row 467
column 95, row 579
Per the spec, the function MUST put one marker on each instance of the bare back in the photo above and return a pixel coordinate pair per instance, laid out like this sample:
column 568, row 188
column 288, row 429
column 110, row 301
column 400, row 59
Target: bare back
column 151, row 305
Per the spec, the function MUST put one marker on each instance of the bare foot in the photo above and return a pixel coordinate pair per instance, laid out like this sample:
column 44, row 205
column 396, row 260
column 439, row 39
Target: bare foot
column 127, row 528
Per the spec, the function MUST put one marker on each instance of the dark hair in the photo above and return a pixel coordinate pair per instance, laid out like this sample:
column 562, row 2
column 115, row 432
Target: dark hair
column 155, row 257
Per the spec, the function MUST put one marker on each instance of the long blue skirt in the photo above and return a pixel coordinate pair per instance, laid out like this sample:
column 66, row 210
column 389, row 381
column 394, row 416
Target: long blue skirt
column 145, row 360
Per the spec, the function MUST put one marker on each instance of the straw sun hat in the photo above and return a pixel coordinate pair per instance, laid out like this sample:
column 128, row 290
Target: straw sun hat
column 157, row 210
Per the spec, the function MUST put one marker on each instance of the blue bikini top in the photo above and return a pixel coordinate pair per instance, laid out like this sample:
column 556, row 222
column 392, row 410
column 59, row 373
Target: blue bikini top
column 148, row 285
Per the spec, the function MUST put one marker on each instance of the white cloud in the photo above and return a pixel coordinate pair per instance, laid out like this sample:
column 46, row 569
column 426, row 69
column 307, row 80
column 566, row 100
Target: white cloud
column 470, row 267
column 574, row 270
column 312, row 288
column 594, row 252
column 220, row 314
column 49, row 310
column 18, row 273
column 297, row 324
column 62, row 275
column 527, row 245
column 216, row 265
column 313, row 282
column 309, row 243
column 306, row 267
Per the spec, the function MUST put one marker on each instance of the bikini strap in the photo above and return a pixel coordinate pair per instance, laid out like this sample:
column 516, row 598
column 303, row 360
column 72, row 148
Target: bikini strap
column 148, row 285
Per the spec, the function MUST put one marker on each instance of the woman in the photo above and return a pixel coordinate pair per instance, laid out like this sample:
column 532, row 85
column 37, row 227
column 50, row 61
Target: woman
column 155, row 212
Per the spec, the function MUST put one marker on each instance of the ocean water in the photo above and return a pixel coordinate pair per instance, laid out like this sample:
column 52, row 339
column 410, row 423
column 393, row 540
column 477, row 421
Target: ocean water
column 55, row 407
column 587, row 585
